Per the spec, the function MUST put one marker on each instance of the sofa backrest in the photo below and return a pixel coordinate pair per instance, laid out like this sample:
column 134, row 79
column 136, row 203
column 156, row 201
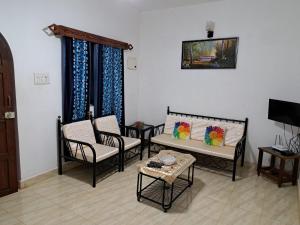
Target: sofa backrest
column 234, row 129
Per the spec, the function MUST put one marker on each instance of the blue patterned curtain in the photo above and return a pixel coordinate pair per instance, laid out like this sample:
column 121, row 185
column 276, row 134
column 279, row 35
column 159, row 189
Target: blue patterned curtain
column 92, row 74
column 110, row 80
column 75, row 57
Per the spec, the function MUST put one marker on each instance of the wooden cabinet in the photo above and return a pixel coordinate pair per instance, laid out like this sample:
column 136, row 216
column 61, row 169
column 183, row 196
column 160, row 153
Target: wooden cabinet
column 280, row 175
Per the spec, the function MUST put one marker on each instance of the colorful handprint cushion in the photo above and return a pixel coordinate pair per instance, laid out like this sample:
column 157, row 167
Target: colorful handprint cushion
column 182, row 130
column 214, row 135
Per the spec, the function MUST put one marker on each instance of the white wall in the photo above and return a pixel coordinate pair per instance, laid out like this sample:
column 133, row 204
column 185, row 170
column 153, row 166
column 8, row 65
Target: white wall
column 268, row 63
column 21, row 24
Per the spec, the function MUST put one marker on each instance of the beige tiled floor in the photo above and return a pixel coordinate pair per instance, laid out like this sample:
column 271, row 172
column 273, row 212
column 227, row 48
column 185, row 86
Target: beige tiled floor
column 212, row 200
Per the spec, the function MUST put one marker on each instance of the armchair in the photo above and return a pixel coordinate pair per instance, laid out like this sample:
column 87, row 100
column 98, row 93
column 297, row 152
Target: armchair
column 80, row 141
column 108, row 125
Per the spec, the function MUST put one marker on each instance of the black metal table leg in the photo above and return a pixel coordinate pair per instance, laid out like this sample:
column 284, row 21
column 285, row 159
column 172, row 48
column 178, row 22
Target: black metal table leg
column 165, row 195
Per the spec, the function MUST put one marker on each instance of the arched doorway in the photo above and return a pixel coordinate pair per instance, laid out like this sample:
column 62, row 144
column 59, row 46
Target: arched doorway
column 8, row 122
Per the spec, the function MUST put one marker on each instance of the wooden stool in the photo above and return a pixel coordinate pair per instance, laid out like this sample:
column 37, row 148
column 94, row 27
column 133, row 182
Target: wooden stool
column 279, row 175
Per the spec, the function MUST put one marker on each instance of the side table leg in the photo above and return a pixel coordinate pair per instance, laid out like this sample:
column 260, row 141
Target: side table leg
column 142, row 144
column 281, row 171
column 259, row 163
column 295, row 171
column 272, row 162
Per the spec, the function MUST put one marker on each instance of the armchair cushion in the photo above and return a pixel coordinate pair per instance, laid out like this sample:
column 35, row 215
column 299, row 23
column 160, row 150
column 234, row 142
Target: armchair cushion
column 214, row 135
column 81, row 131
column 108, row 124
column 182, row 130
column 130, row 142
column 171, row 120
column 102, row 152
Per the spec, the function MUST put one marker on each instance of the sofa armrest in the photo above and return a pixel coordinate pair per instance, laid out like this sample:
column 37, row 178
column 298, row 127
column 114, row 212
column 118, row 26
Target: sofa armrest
column 156, row 130
column 240, row 148
column 80, row 146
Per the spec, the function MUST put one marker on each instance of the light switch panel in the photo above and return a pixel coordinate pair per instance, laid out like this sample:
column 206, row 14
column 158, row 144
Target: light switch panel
column 41, row 78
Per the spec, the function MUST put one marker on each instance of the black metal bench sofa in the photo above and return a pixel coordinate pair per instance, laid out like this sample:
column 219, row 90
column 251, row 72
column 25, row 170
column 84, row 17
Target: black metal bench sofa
column 224, row 157
column 91, row 146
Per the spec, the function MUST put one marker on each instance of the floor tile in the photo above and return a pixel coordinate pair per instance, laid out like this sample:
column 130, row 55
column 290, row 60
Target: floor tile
column 212, row 200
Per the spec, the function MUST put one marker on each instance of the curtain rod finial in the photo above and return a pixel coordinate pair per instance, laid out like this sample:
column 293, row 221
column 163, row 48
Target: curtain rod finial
column 52, row 27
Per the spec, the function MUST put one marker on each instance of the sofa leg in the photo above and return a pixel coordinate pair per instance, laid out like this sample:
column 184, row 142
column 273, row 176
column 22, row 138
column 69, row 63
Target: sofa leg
column 94, row 175
column 234, row 170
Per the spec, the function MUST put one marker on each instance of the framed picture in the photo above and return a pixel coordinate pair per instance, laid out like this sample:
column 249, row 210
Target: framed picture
column 210, row 53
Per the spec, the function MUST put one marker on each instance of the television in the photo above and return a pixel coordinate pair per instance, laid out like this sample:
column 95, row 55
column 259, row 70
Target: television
column 284, row 112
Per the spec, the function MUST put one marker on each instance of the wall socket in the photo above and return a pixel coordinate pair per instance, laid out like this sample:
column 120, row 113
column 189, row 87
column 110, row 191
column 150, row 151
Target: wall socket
column 41, row 78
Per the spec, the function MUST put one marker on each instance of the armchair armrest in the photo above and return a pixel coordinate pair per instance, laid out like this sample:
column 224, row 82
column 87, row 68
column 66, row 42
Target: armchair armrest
column 79, row 146
column 127, row 129
column 109, row 139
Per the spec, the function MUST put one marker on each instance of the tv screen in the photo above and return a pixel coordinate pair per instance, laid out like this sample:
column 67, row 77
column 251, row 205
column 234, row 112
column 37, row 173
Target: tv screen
column 285, row 112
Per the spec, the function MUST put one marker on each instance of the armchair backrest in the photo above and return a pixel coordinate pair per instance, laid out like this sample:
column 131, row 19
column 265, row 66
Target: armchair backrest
column 80, row 131
column 108, row 124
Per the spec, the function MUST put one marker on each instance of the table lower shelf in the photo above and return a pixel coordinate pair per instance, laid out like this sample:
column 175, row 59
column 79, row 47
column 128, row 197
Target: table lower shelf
column 160, row 192
column 273, row 173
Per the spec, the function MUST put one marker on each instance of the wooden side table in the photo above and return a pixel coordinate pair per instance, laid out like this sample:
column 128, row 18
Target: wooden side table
column 278, row 174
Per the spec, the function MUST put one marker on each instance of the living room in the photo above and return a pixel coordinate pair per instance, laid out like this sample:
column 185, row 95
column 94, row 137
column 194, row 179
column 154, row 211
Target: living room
column 266, row 68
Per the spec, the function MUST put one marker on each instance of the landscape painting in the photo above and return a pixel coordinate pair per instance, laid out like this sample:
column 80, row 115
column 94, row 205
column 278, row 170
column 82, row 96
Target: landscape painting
column 210, row 54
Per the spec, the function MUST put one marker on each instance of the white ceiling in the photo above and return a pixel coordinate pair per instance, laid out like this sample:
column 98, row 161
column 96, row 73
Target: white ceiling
column 148, row 5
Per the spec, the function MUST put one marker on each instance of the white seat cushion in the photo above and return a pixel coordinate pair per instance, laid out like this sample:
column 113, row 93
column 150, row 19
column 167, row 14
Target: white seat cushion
column 108, row 124
column 130, row 142
column 102, row 152
column 80, row 131
column 226, row 152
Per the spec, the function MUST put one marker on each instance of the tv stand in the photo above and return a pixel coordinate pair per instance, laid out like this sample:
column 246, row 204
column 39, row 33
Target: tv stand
column 278, row 174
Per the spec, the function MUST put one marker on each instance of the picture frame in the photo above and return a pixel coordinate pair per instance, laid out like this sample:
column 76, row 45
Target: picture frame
column 218, row 53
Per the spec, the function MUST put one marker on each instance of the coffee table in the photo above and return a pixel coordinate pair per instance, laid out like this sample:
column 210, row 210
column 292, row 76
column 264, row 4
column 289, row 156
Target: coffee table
column 168, row 182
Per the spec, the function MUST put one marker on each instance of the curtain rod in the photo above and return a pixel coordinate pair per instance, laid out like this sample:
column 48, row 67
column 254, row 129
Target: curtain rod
column 60, row 30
